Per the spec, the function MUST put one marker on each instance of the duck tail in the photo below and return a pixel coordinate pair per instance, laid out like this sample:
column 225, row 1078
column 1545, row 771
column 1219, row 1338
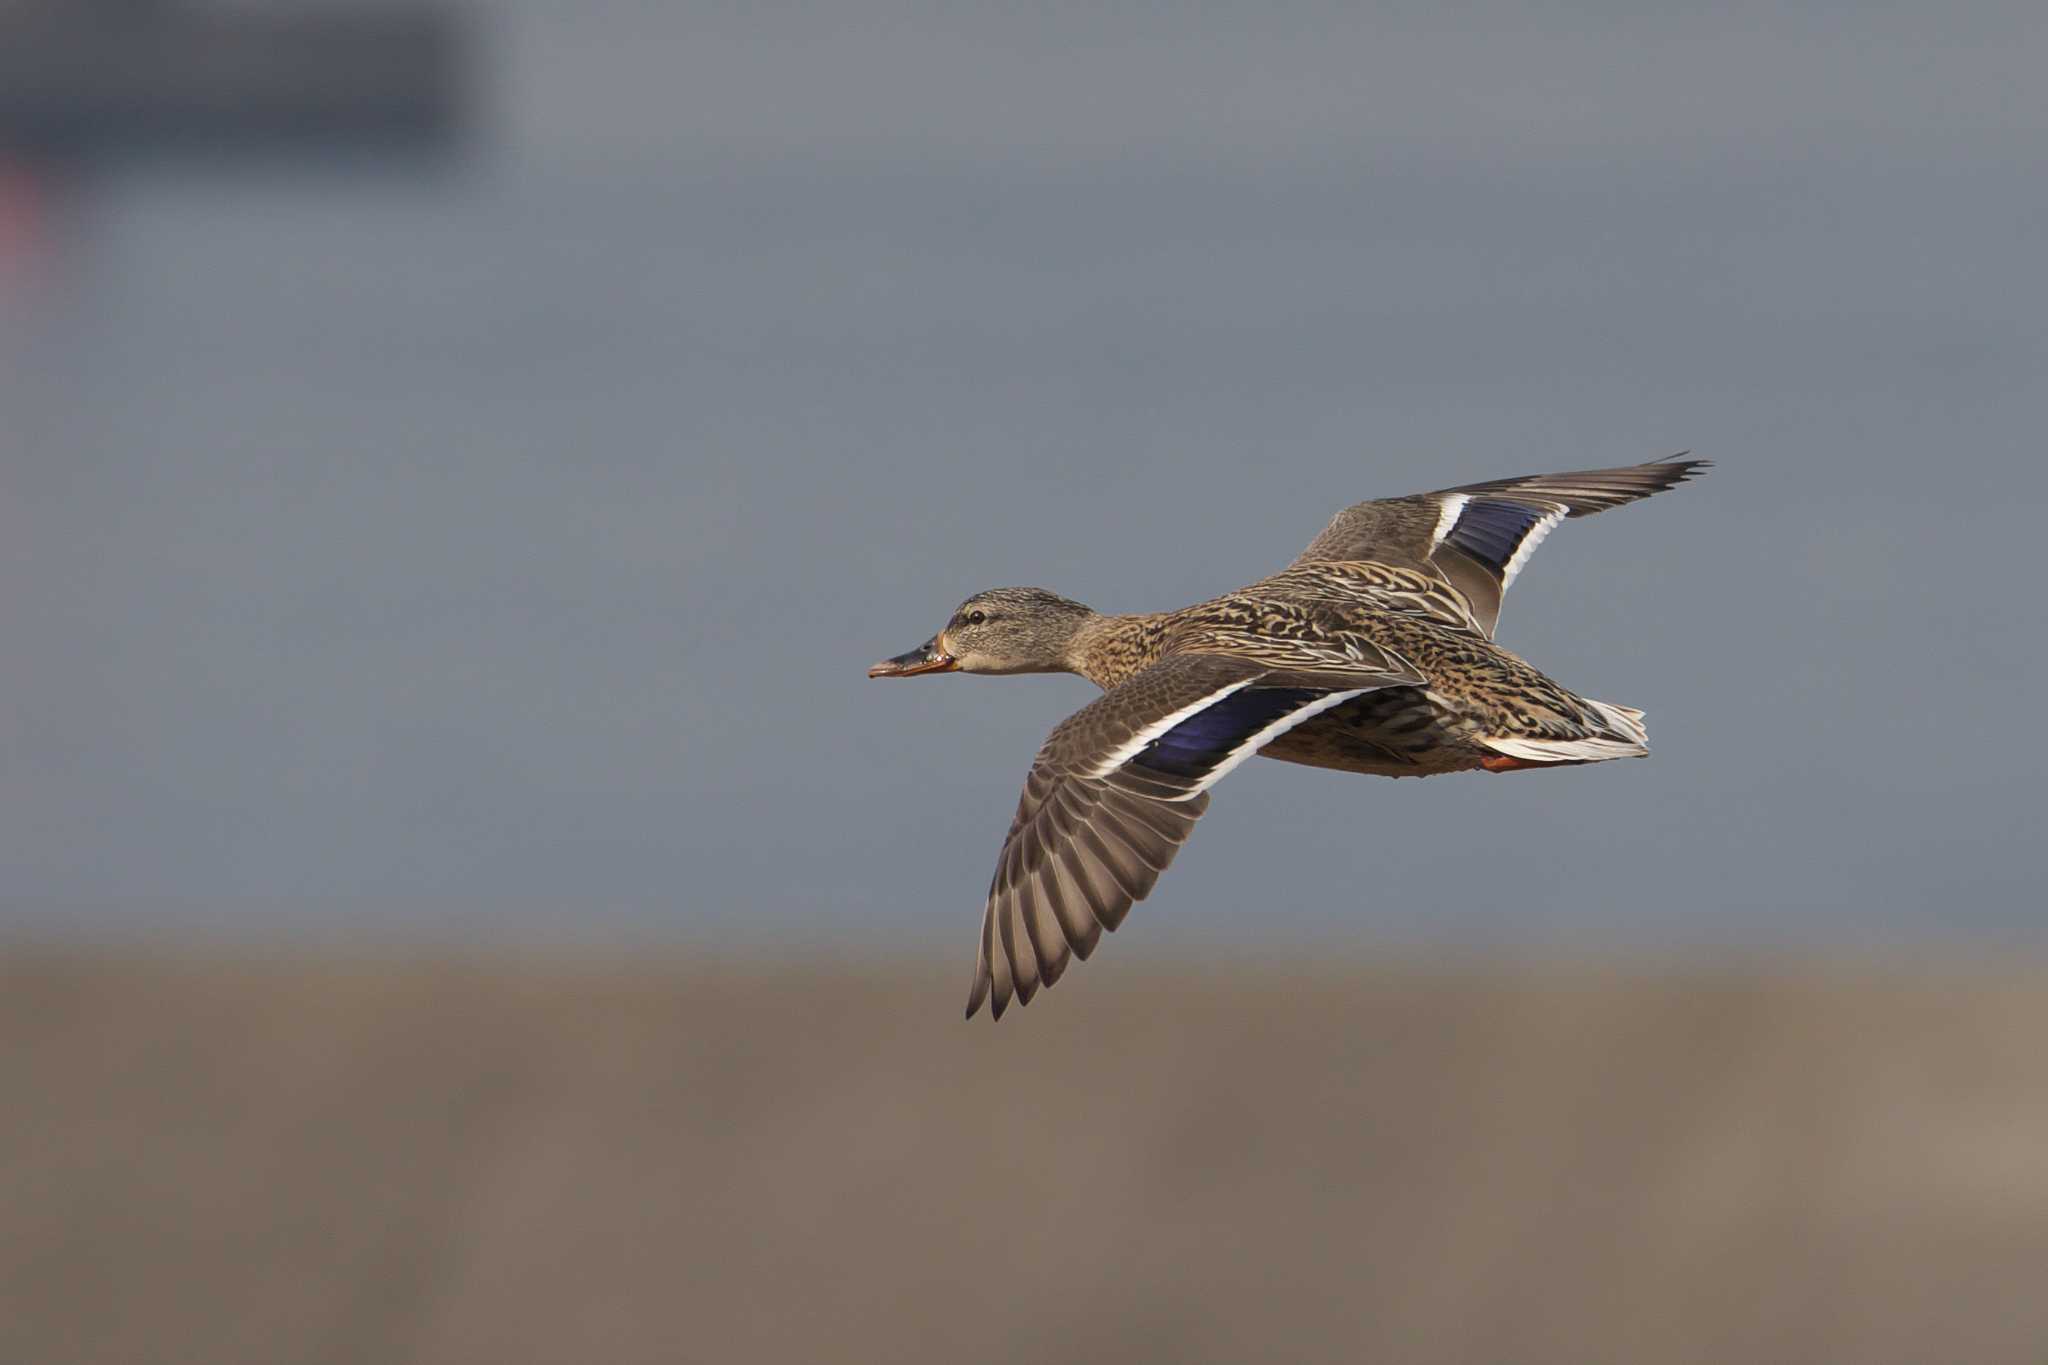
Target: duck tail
column 1611, row 732
column 1625, row 721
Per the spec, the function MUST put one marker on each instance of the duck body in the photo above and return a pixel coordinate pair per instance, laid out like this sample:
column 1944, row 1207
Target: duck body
column 1474, row 704
column 1372, row 653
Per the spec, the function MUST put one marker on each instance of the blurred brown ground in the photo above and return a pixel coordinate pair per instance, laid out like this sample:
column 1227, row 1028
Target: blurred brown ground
column 309, row 1159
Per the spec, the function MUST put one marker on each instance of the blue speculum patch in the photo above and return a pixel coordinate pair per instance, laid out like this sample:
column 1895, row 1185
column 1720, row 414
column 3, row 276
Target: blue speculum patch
column 1194, row 747
column 1492, row 531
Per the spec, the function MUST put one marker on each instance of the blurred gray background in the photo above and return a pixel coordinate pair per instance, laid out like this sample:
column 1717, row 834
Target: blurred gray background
column 427, row 573
column 508, row 543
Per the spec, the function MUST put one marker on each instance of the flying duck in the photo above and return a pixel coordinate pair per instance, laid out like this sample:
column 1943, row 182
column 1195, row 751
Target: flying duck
column 1371, row 653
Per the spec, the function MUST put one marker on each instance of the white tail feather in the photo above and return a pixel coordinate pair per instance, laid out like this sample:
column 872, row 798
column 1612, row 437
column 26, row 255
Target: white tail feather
column 1625, row 738
column 1626, row 719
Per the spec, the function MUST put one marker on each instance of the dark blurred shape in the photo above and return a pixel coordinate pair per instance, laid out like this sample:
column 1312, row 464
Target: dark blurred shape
column 80, row 81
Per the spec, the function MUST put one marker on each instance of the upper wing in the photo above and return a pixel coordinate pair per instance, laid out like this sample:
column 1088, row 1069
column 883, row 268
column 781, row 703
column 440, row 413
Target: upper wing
column 1478, row 536
column 1111, row 797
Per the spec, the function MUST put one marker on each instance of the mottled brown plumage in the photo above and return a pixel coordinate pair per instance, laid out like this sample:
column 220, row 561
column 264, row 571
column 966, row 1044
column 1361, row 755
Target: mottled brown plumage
column 1371, row 653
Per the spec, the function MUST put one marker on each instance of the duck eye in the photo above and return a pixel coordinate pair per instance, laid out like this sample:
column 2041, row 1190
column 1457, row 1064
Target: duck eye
column 975, row 618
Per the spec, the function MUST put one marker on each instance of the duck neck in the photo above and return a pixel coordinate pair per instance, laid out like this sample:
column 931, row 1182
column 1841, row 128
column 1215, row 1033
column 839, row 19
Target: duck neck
column 1107, row 650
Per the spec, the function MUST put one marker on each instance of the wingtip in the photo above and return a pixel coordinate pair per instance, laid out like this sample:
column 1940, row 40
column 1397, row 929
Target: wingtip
column 1673, row 470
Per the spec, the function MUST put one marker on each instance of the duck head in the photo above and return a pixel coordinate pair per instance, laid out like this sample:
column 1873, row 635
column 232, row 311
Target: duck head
column 1003, row 630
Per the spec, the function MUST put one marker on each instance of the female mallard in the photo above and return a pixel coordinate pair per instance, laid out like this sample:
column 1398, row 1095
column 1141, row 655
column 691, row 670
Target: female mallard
column 1372, row 653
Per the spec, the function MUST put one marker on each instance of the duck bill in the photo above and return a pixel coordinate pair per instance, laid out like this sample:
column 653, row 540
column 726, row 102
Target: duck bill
column 929, row 657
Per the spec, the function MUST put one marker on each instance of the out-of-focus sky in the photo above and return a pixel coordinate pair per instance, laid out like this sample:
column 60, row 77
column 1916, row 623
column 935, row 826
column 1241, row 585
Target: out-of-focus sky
column 383, row 545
